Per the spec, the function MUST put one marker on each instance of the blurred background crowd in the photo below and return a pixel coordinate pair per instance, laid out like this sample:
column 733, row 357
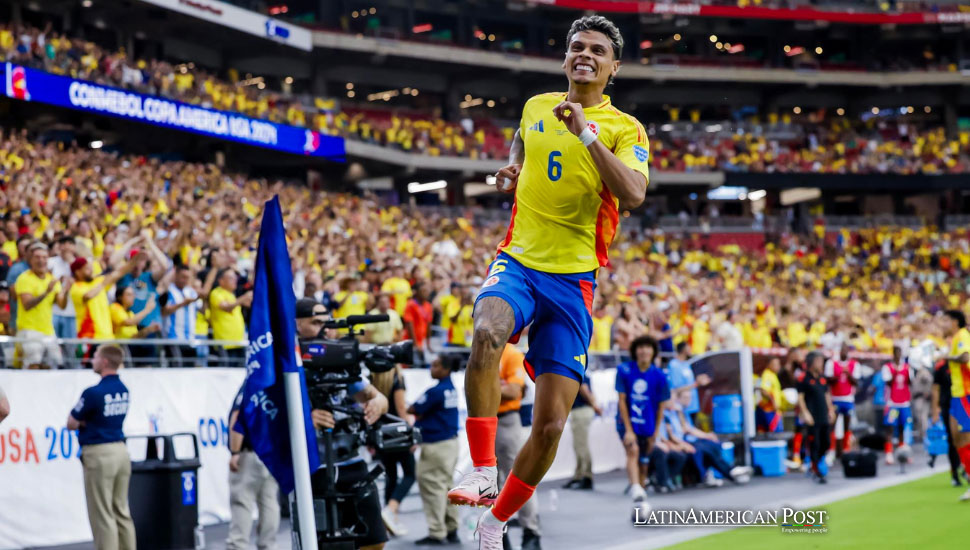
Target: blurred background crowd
column 868, row 287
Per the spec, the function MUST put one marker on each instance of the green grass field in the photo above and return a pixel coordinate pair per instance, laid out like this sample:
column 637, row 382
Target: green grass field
column 919, row 515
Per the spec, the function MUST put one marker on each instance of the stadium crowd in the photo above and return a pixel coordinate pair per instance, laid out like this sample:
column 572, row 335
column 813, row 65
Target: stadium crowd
column 89, row 212
column 411, row 131
column 828, row 145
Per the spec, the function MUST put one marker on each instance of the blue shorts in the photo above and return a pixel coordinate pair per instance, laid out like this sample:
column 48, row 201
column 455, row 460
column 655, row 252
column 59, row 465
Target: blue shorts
column 767, row 421
column 557, row 305
column 897, row 416
column 960, row 410
column 643, row 442
column 844, row 407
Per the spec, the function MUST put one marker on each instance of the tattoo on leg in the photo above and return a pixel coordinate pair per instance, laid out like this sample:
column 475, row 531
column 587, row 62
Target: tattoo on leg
column 494, row 322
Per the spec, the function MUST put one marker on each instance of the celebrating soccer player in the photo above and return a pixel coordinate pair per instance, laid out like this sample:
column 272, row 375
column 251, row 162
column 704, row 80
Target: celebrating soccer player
column 575, row 160
column 956, row 329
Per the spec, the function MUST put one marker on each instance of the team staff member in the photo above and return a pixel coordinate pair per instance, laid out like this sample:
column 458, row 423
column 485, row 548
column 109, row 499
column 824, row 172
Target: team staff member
column 437, row 412
column 251, row 487
column 941, row 413
column 98, row 417
column 37, row 291
column 584, row 408
column 510, row 436
column 643, row 396
column 681, row 377
column 815, row 406
column 310, row 318
column 959, row 360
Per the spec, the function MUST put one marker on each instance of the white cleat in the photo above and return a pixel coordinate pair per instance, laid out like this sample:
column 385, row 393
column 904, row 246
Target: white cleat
column 478, row 487
column 489, row 534
column 711, row 481
column 965, row 496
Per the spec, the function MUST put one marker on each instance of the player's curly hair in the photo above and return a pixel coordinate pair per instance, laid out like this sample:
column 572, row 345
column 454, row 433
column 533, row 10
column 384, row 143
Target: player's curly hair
column 600, row 24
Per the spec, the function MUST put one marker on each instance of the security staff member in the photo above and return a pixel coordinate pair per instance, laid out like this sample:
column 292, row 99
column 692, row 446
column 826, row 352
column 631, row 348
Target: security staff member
column 818, row 412
column 251, row 486
column 437, row 412
column 366, row 512
column 98, row 417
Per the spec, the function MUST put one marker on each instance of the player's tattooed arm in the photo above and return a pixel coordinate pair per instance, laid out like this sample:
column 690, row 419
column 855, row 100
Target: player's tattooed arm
column 517, row 150
column 508, row 177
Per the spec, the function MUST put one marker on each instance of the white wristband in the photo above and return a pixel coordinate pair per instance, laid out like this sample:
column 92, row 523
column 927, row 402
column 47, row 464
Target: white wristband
column 587, row 137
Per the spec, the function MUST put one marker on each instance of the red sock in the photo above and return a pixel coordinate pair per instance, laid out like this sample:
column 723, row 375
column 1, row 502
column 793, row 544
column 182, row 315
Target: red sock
column 796, row 446
column 964, row 453
column 832, row 444
column 512, row 497
column 481, row 440
column 847, row 442
column 889, row 447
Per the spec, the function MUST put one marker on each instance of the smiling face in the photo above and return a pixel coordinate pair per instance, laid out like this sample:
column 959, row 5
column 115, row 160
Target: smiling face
column 590, row 60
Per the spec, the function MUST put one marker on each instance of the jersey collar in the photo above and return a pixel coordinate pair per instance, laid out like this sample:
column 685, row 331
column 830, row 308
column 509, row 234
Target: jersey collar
column 603, row 105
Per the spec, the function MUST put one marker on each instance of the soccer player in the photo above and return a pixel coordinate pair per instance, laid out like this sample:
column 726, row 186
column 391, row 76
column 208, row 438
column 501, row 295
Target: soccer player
column 959, row 359
column 843, row 376
column 768, row 413
column 574, row 162
column 898, row 376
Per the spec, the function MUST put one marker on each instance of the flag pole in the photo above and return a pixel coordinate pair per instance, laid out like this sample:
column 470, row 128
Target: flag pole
column 301, row 461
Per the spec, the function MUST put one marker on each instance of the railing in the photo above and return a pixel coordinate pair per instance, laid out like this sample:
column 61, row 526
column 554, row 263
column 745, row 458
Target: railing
column 76, row 353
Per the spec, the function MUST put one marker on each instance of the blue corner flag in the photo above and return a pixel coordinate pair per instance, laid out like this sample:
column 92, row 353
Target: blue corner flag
column 273, row 351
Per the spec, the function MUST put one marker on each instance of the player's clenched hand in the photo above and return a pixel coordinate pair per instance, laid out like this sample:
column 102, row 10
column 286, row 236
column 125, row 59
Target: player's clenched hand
column 507, row 178
column 571, row 114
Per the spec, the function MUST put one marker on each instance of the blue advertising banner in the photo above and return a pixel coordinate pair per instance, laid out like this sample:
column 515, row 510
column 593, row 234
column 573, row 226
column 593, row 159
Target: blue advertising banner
column 33, row 85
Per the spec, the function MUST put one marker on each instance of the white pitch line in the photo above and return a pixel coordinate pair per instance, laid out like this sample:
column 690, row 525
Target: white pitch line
column 855, row 488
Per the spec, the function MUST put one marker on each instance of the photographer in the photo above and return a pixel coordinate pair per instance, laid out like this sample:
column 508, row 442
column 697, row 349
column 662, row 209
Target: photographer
column 310, row 319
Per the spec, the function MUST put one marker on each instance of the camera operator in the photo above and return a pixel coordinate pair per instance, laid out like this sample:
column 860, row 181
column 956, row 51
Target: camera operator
column 310, row 318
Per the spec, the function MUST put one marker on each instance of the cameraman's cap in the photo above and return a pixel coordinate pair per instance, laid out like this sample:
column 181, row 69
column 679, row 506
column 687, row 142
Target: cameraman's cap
column 305, row 307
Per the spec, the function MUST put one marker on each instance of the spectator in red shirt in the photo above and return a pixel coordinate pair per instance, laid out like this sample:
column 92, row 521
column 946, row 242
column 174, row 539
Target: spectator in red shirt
column 418, row 315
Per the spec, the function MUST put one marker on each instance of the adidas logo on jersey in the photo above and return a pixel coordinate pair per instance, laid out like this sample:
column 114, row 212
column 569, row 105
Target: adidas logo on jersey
column 537, row 127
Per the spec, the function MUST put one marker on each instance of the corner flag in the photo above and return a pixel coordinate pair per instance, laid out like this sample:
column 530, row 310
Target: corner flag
column 272, row 352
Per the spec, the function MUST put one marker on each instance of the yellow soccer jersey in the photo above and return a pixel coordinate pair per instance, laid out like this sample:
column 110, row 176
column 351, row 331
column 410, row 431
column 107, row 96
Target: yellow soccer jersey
column 564, row 218
column 959, row 372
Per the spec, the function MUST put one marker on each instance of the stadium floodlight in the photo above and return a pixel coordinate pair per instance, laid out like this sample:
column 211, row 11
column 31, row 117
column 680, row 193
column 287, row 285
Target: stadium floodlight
column 415, row 187
column 97, row 144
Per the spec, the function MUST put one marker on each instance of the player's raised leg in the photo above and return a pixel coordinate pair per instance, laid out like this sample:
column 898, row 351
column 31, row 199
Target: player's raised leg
column 555, row 395
column 494, row 323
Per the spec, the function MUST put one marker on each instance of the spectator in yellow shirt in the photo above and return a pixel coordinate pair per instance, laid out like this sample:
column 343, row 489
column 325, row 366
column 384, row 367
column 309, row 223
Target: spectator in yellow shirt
column 125, row 322
column 90, row 296
column 37, row 291
column 226, row 315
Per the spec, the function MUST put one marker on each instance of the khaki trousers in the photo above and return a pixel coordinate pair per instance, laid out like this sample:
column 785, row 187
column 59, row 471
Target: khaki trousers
column 509, row 439
column 435, row 472
column 107, row 473
column 580, row 418
column 250, row 488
